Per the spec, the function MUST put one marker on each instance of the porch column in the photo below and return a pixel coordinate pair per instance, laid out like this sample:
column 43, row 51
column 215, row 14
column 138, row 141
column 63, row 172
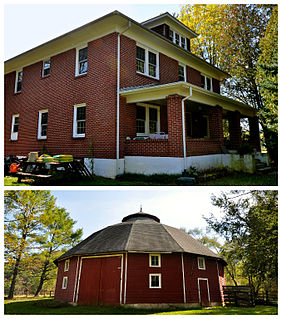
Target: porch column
column 254, row 133
column 234, row 129
column 174, row 122
column 215, row 123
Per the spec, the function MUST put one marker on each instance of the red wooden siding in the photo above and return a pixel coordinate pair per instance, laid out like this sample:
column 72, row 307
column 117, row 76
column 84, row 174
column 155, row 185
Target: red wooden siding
column 204, row 292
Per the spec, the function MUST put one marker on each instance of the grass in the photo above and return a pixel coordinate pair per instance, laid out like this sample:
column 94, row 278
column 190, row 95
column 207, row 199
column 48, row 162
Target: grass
column 47, row 306
column 229, row 179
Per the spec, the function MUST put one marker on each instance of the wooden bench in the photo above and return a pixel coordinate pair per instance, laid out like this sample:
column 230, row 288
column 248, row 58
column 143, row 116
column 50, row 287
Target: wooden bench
column 22, row 175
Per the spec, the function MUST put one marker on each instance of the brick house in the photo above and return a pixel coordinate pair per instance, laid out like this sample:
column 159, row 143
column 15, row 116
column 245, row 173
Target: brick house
column 140, row 262
column 123, row 95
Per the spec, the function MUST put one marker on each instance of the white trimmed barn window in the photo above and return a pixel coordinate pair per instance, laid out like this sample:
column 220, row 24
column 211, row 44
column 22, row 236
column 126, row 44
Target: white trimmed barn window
column 201, row 263
column 67, row 265
column 15, row 127
column 155, row 281
column 42, row 124
column 147, row 61
column 147, row 119
column 65, row 283
column 46, row 68
column 81, row 61
column 79, row 117
column 18, row 82
column 155, row 260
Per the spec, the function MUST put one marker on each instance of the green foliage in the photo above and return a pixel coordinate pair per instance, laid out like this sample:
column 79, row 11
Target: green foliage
column 245, row 149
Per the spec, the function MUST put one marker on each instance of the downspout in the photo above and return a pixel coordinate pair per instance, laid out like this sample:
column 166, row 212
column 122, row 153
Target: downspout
column 183, row 127
column 118, row 88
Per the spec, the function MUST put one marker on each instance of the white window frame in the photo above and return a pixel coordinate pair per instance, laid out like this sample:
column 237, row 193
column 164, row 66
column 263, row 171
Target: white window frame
column 39, row 136
column 146, row 63
column 147, row 122
column 46, row 60
column 65, row 283
column 83, row 46
column 184, row 66
column 150, row 260
column 16, row 81
column 180, row 36
column 67, row 265
column 14, row 135
column 75, row 107
column 205, row 76
column 160, row 281
column 204, row 263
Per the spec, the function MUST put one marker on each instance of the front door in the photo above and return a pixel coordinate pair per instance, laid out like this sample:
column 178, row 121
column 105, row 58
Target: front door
column 204, row 295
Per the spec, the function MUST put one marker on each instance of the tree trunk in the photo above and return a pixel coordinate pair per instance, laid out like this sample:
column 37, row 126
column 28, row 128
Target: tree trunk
column 42, row 278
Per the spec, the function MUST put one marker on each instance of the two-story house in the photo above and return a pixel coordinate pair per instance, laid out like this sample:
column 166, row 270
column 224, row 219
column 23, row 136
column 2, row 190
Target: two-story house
column 128, row 96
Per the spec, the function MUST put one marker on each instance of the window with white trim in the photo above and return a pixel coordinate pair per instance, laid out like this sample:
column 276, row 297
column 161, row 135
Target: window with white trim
column 147, row 61
column 155, row 260
column 179, row 39
column 147, row 119
column 155, row 281
column 46, row 68
column 67, row 265
column 42, row 124
column 18, row 82
column 206, row 82
column 79, row 117
column 65, row 283
column 181, row 72
column 81, row 61
column 201, row 263
column 15, row 127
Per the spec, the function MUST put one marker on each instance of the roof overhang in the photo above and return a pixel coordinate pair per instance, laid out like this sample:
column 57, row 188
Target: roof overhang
column 199, row 95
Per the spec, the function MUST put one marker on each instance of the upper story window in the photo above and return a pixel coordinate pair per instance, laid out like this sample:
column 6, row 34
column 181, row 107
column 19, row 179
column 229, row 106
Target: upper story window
column 206, row 82
column 179, row 39
column 147, row 62
column 181, row 72
column 15, row 127
column 201, row 263
column 18, row 83
column 42, row 124
column 65, row 283
column 67, row 265
column 46, row 68
column 147, row 119
column 79, row 118
column 155, row 260
column 81, row 60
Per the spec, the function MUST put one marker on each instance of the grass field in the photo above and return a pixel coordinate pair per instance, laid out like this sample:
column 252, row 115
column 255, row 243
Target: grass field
column 232, row 179
column 47, row 306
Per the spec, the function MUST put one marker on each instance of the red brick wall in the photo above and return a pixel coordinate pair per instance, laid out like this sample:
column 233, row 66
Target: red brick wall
column 193, row 76
column 216, row 86
column 197, row 146
column 66, row 294
column 147, row 148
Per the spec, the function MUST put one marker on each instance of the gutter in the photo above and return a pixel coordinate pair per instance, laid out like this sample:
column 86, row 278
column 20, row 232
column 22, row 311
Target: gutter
column 183, row 127
column 118, row 91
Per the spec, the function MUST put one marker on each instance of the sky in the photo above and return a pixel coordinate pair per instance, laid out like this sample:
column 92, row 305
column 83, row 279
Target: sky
column 29, row 25
column 96, row 209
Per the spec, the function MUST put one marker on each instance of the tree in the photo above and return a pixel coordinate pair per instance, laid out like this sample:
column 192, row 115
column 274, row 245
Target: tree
column 22, row 215
column 250, row 221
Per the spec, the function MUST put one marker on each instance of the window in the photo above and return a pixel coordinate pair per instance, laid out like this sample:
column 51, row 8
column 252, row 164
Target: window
column 206, row 82
column 15, row 127
column 147, row 62
column 155, row 281
column 183, row 42
column 179, row 39
column 19, row 79
column 181, row 72
column 67, row 265
column 65, row 283
column 201, row 263
column 147, row 119
column 46, row 68
column 197, row 125
column 42, row 124
column 81, row 60
column 176, row 38
column 79, row 120
column 155, row 260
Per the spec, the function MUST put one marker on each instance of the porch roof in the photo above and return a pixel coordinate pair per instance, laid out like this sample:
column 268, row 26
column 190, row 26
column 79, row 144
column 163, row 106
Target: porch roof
column 153, row 92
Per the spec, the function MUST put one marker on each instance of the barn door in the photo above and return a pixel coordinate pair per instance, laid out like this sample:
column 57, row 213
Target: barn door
column 100, row 281
column 204, row 294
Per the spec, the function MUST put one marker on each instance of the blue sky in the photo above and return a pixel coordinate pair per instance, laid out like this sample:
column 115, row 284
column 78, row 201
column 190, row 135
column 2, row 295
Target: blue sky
column 96, row 209
column 29, row 25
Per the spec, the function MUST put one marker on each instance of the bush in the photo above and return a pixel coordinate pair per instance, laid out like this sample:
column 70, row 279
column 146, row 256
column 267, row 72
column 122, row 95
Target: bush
column 245, row 149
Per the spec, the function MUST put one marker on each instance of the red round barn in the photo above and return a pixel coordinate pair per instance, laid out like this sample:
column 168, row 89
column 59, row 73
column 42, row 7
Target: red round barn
column 140, row 262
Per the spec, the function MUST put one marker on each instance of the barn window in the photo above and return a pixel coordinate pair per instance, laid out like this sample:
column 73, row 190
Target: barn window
column 155, row 260
column 15, row 127
column 67, row 265
column 201, row 263
column 155, row 281
column 65, row 283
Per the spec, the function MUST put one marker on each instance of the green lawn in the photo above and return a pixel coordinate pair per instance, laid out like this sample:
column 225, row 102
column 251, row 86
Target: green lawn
column 48, row 306
column 229, row 179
